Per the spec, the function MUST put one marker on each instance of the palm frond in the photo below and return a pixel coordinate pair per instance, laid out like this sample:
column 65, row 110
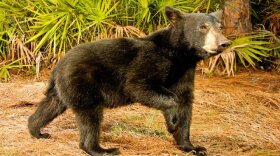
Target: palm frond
column 247, row 49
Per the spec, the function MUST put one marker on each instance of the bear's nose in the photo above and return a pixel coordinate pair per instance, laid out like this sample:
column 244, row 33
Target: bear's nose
column 223, row 45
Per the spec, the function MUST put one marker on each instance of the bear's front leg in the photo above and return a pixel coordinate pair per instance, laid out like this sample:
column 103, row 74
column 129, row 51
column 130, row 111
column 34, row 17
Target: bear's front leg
column 182, row 132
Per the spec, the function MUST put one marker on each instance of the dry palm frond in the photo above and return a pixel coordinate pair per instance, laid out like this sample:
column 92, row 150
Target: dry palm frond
column 125, row 31
column 18, row 50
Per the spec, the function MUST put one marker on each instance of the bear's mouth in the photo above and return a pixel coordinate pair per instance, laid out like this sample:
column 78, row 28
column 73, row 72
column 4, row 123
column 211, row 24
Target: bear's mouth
column 211, row 51
column 217, row 50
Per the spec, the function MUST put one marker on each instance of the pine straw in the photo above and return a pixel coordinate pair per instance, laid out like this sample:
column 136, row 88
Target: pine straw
column 246, row 109
column 232, row 116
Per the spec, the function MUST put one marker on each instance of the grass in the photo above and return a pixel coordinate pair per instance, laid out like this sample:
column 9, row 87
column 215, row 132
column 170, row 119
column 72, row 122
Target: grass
column 232, row 116
column 141, row 125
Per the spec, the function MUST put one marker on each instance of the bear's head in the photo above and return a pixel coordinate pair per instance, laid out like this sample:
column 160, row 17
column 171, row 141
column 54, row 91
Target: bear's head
column 197, row 32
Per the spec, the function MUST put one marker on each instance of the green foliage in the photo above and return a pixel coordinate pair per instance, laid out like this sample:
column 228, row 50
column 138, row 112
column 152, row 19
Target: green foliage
column 62, row 24
column 149, row 14
column 6, row 66
column 275, row 52
column 250, row 47
column 267, row 13
column 3, row 43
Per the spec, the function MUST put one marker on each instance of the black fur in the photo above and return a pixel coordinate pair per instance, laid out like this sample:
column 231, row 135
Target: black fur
column 157, row 71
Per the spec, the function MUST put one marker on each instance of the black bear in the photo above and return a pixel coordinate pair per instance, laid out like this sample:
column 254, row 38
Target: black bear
column 157, row 71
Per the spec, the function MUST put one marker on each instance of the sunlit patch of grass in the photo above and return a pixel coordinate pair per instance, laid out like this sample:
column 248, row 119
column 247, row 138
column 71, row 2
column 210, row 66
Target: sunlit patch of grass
column 133, row 117
column 148, row 124
column 9, row 152
column 122, row 127
column 264, row 152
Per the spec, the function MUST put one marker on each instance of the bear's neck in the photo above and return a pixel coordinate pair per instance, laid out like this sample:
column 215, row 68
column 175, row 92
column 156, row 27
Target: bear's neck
column 161, row 38
column 177, row 53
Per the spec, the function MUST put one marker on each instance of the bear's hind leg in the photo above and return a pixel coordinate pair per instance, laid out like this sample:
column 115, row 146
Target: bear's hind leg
column 49, row 108
column 89, row 120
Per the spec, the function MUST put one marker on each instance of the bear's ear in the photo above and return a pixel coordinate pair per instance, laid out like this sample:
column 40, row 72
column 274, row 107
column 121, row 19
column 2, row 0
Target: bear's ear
column 173, row 14
column 218, row 14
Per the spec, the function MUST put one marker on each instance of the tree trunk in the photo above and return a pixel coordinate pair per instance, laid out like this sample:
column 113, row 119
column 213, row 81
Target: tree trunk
column 237, row 17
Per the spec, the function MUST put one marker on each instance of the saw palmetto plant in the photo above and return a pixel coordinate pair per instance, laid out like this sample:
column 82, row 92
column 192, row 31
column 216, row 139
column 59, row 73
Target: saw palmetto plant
column 7, row 65
column 61, row 24
column 246, row 49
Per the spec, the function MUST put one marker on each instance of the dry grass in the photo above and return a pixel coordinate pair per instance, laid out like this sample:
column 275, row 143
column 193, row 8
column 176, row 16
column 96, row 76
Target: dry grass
column 232, row 116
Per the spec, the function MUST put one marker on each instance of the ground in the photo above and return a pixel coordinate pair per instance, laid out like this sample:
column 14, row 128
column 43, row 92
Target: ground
column 237, row 115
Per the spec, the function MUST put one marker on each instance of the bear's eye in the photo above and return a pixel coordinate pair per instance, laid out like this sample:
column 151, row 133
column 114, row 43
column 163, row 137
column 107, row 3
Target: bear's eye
column 204, row 27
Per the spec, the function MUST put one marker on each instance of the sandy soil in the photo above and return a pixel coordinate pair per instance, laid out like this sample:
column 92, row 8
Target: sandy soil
column 237, row 115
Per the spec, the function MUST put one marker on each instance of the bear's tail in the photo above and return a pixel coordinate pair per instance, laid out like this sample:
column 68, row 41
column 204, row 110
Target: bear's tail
column 49, row 108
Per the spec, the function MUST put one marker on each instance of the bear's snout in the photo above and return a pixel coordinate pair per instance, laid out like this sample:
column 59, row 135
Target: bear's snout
column 223, row 44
